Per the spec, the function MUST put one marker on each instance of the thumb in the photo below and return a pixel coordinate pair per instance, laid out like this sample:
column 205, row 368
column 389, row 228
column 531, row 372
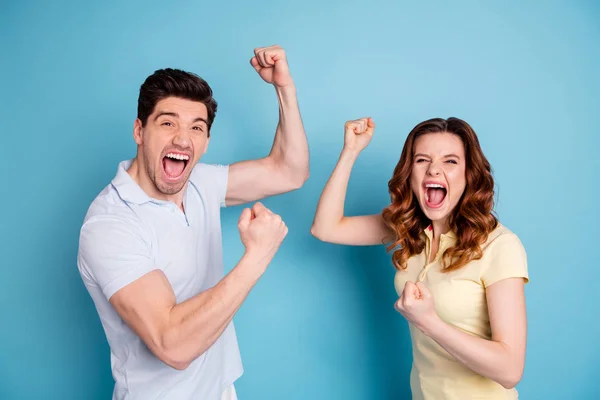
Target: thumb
column 258, row 208
column 425, row 292
column 350, row 127
column 370, row 126
column 398, row 305
column 408, row 295
column 244, row 220
column 255, row 64
column 280, row 64
column 409, row 288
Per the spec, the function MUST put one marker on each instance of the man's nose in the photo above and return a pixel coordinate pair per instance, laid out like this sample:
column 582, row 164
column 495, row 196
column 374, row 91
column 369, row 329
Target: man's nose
column 182, row 138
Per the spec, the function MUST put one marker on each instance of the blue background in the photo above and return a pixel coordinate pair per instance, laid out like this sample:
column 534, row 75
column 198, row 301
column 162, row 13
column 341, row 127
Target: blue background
column 320, row 324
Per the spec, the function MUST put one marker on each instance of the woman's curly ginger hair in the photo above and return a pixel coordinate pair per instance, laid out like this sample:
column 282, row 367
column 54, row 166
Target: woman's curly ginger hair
column 472, row 219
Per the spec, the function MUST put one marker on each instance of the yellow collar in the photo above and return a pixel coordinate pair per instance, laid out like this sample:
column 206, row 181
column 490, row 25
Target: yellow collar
column 429, row 233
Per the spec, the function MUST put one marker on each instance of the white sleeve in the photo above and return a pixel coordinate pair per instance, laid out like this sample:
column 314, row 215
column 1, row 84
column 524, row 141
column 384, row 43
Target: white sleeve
column 113, row 252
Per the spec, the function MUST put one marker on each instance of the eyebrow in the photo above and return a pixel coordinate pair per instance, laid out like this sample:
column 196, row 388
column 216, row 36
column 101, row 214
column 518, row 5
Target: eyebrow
column 172, row 114
column 446, row 156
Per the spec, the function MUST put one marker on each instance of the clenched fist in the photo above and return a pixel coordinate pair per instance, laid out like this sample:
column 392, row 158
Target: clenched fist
column 358, row 133
column 261, row 231
column 416, row 305
column 271, row 64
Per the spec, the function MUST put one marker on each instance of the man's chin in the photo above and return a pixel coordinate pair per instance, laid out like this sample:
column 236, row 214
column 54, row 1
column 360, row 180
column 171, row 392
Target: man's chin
column 170, row 189
column 170, row 186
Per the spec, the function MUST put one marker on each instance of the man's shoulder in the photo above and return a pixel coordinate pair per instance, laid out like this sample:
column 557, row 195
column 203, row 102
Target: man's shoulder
column 210, row 181
column 206, row 173
column 109, row 208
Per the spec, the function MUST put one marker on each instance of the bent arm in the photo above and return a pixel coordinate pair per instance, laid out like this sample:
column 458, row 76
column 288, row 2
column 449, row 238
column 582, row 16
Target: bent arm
column 179, row 333
column 286, row 168
column 331, row 225
column 502, row 358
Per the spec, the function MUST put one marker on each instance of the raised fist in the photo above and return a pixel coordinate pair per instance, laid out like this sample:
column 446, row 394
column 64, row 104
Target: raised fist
column 358, row 133
column 271, row 64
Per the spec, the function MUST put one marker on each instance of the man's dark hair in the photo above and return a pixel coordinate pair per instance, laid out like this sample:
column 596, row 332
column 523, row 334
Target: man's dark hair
column 171, row 82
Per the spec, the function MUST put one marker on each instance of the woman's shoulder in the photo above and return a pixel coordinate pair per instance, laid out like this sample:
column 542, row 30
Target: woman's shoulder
column 503, row 237
column 504, row 256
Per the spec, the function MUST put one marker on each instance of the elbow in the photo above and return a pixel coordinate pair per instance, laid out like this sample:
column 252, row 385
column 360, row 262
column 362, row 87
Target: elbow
column 289, row 175
column 173, row 358
column 509, row 384
column 318, row 230
column 175, row 362
column 298, row 179
column 512, row 379
column 170, row 352
column 326, row 230
column 322, row 234
column 177, row 352
column 314, row 230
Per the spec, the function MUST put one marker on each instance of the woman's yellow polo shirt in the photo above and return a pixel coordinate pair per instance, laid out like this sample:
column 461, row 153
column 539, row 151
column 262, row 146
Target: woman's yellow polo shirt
column 460, row 301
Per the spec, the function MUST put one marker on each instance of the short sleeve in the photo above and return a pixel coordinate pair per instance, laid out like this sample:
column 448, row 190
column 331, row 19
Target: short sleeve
column 508, row 259
column 212, row 179
column 113, row 253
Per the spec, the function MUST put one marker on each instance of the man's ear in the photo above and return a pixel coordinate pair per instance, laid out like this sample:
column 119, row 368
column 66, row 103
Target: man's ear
column 137, row 131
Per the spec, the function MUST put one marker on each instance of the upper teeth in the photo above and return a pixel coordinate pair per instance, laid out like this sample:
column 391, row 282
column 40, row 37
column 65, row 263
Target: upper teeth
column 178, row 156
column 434, row 185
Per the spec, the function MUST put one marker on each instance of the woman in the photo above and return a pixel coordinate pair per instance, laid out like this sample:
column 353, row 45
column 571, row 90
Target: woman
column 460, row 273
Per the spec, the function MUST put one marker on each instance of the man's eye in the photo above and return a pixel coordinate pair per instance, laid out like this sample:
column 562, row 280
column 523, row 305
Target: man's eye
column 198, row 128
column 166, row 123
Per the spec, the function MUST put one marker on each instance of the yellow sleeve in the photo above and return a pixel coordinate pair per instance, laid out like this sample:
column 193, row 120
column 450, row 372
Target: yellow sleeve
column 508, row 259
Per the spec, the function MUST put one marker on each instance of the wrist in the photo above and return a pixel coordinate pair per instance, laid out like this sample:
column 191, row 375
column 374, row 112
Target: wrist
column 432, row 325
column 288, row 88
column 286, row 96
column 255, row 260
column 349, row 154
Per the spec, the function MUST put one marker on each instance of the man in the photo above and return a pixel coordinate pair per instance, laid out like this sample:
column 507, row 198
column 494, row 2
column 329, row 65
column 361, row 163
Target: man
column 150, row 247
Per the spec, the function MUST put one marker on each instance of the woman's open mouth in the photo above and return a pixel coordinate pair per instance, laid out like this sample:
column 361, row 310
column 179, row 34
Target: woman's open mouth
column 174, row 163
column 435, row 194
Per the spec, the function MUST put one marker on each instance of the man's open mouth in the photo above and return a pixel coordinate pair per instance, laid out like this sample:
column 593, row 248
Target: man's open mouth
column 174, row 164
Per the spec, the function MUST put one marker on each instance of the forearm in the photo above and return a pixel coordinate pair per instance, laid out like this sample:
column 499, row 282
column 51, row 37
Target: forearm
column 195, row 324
column 290, row 146
column 488, row 358
column 330, row 209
